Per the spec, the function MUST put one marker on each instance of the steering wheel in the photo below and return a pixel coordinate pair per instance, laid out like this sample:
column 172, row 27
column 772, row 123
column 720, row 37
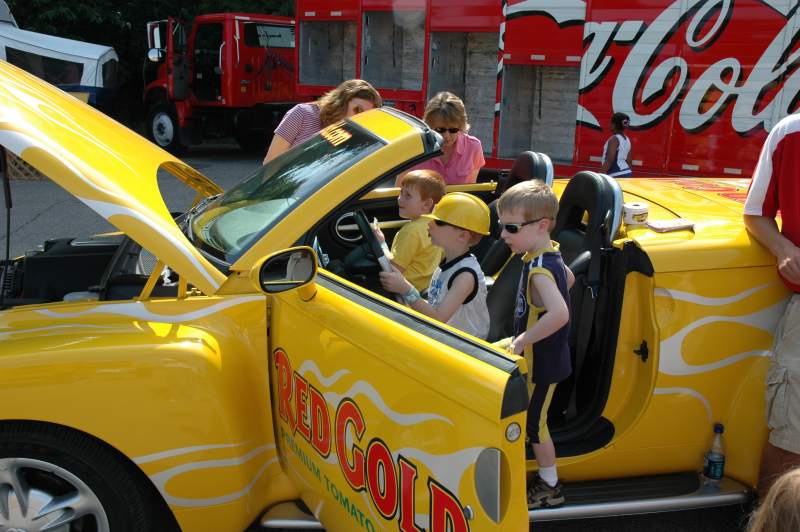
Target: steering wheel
column 371, row 240
column 374, row 246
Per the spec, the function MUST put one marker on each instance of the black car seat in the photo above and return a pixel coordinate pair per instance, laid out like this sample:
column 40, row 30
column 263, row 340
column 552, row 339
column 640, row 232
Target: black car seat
column 589, row 214
column 501, row 300
column 492, row 252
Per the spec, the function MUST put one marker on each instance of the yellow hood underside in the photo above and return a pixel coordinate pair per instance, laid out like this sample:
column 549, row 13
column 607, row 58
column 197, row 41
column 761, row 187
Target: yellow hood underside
column 104, row 164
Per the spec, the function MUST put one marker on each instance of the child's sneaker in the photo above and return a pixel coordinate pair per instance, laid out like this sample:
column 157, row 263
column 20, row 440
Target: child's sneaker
column 542, row 495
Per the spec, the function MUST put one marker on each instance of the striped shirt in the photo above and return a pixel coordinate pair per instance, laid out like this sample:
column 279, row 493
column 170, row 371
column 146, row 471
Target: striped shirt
column 776, row 181
column 300, row 123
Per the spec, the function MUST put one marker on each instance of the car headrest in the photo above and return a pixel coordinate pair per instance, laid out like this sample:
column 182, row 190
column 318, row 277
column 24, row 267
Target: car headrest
column 589, row 211
column 528, row 165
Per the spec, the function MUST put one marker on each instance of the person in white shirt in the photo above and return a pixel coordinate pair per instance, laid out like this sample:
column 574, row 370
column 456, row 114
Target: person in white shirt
column 617, row 149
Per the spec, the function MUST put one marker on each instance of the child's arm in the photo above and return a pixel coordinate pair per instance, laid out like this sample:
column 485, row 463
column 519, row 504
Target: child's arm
column 463, row 285
column 570, row 277
column 386, row 251
column 557, row 314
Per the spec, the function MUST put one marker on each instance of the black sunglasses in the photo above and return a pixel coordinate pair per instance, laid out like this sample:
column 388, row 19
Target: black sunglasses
column 451, row 130
column 514, row 228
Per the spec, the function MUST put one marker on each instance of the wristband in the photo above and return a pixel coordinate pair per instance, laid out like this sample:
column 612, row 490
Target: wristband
column 412, row 296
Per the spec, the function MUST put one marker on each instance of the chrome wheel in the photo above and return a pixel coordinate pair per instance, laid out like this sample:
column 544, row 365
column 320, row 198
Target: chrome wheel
column 37, row 495
column 163, row 128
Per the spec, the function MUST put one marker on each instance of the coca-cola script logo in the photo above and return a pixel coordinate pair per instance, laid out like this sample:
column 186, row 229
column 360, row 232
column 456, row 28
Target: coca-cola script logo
column 647, row 75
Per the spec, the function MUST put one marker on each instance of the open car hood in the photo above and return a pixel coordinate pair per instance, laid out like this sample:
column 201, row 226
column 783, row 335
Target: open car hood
column 107, row 166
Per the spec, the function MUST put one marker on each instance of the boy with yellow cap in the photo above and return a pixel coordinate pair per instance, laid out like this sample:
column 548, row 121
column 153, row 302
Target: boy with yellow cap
column 457, row 292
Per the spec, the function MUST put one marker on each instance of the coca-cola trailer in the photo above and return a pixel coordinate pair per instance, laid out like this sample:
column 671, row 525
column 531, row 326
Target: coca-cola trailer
column 702, row 80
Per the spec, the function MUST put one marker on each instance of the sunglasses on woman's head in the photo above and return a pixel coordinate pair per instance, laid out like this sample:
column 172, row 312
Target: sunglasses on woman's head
column 451, row 130
column 515, row 228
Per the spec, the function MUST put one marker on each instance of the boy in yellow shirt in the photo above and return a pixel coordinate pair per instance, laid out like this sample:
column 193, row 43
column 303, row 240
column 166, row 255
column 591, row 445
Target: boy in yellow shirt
column 412, row 252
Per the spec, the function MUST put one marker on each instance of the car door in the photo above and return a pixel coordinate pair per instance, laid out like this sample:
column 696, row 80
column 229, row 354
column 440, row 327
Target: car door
column 178, row 71
column 386, row 419
column 208, row 61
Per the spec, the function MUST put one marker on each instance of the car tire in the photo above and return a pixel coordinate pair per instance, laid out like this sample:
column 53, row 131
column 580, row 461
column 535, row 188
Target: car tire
column 162, row 128
column 50, row 474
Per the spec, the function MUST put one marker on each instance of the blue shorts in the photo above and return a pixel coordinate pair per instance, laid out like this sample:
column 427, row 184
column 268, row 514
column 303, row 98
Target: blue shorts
column 541, row 395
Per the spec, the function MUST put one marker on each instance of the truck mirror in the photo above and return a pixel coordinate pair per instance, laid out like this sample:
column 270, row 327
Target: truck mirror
column 155, row 55
column 286, row 270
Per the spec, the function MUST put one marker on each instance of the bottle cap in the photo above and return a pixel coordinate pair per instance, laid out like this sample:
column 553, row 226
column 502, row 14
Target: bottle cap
column 718, row 428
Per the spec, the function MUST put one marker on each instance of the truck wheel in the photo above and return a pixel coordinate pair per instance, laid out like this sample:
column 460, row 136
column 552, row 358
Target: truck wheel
column 162, row 128
column 56, row 479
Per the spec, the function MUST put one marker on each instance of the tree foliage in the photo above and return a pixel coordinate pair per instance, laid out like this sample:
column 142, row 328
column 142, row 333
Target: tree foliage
column 122, row 24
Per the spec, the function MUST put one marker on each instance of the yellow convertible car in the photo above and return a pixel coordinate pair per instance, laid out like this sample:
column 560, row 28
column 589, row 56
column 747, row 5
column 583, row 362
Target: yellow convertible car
column 230, row 365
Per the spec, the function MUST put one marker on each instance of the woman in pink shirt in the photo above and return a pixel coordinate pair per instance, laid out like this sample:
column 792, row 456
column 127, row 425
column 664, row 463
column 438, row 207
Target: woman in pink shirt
column 462, row 155
column 305, row 120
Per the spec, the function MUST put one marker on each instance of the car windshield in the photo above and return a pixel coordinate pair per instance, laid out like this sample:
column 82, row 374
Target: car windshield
column 233, row 222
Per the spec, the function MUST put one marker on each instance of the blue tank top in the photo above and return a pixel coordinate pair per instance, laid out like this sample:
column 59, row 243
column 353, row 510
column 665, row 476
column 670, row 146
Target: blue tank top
column 549, row 358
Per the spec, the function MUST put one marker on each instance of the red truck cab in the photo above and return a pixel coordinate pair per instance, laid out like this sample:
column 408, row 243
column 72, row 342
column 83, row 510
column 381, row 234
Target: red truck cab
column 226, row 74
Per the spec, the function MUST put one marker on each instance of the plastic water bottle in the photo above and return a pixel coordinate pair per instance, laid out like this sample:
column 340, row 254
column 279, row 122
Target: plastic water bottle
column 714, row 459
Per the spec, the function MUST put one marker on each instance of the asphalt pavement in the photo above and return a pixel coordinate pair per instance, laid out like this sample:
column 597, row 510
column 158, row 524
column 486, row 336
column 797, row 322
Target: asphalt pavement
column 43, row 210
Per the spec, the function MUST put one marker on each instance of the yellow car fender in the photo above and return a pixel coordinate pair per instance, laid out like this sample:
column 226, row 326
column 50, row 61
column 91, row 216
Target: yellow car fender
column 180, row 400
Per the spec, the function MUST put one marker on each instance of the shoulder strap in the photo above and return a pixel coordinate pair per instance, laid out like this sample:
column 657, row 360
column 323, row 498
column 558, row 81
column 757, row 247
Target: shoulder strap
column 591, row 286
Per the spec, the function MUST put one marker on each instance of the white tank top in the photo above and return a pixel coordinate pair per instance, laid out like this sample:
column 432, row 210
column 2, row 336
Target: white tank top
column 620, row 165
column 473, row 316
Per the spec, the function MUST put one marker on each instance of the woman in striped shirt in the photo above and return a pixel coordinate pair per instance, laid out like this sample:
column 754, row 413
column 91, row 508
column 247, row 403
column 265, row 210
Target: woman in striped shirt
column 305, row 120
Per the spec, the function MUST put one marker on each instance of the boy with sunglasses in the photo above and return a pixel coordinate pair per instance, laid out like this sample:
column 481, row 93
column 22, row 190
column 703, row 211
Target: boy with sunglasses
column 527, row 213
column 457, row 292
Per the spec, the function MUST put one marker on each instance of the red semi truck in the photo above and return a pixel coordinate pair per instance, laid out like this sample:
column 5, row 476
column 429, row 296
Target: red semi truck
column 702, row 80
column 227, row 74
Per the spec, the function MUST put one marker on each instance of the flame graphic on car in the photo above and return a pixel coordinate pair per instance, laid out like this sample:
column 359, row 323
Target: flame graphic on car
column 704, row 334
column 203, row 471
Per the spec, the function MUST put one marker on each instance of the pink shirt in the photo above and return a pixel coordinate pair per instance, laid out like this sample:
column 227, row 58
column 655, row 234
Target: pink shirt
column 467, row 157
column 301, row 122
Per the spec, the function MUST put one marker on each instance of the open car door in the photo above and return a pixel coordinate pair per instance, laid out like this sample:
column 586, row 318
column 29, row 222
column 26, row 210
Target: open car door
column 388, row 420
column 170, row 36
